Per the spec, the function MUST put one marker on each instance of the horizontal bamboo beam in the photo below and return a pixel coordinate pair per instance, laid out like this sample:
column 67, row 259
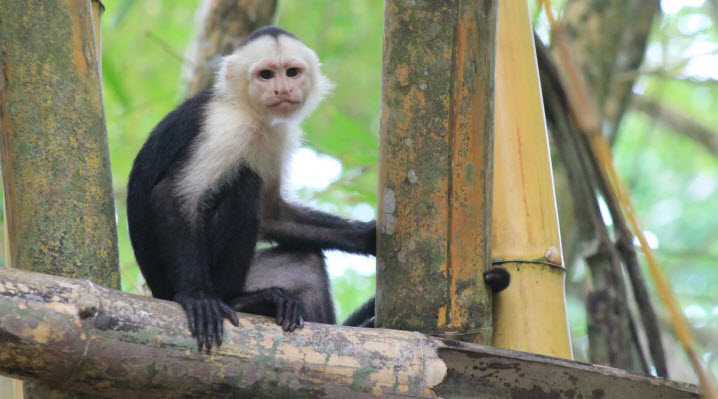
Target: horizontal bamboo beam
column 74, row 335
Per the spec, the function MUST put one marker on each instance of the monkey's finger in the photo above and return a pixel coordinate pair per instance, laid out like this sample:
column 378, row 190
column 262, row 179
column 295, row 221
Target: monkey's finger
column 280, row 310
column 287, row 318
column 220, row 331
column 210, row 320
column 201, row 330
column 229, row 313
column 200, row 343
column 189, row 310
column 296, row 316
column 287, row 322
column 196, row 322
column 291, row 316
column 218, row 323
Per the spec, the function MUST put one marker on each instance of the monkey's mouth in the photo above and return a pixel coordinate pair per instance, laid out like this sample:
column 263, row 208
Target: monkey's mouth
column 284, row 104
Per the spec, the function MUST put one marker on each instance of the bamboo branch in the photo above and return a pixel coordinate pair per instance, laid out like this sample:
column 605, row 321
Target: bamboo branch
column 74, row 335
column 677, row 122
column 612, row 184
column 585, row 182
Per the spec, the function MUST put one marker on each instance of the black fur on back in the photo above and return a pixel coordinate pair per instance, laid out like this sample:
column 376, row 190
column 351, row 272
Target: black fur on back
column 166, row 146
column 272, row 31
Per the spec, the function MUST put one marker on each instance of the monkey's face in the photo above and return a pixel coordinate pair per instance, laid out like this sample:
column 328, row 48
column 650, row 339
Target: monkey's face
column 279, row 78
column 279, row 85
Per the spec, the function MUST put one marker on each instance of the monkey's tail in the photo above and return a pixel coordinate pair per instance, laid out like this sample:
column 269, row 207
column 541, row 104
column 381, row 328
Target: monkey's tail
column 363, row 316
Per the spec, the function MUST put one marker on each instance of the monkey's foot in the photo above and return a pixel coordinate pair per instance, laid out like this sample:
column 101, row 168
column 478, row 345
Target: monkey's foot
column 206, row 315
column 497, row 278
column 272, row 301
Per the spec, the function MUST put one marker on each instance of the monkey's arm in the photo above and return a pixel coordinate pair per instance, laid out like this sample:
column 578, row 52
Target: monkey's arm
column 359, row 238
column 181, row 252
column 302, row 227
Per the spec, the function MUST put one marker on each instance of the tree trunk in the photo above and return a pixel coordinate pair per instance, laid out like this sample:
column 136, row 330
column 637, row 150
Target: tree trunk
column 609, row 37
column 436, row 168
column 223, row 26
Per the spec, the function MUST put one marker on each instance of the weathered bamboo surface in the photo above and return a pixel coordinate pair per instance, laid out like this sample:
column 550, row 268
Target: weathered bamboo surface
column 59, row 206
column 435, row 168
column 55, row 158
column 77, row 336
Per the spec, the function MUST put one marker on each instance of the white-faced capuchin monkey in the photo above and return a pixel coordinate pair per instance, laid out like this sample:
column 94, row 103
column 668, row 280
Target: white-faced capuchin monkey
column 206, row 186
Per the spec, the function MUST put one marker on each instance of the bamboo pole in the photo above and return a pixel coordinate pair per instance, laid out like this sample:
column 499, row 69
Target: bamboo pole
column 55, row 159
column 435, row 168
column 82, row 337
column 97, row 10
column 530, row 315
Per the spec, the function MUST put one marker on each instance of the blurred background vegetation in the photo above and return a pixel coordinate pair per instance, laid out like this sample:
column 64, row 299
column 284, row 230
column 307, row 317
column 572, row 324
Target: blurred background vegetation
column 673, row 177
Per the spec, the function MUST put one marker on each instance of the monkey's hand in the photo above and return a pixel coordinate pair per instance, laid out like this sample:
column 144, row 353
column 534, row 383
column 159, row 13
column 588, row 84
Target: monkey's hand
column 206, row 314
column 277, row 301
column 370, row 236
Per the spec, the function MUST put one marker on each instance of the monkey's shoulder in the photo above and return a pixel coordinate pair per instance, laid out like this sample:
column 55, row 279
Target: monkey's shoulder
column 183, row 123
column 171, row 138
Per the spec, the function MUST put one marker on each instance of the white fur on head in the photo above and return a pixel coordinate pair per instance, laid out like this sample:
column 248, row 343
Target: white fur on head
column 237, row 132
column 234, row 82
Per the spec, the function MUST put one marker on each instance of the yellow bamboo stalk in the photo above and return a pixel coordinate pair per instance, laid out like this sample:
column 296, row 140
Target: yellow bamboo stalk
column 530, row 315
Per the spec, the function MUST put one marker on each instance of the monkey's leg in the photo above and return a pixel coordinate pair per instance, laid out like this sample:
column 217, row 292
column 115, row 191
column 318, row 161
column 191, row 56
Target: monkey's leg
column 271, row 301
column 188, row 275
column 301, row 274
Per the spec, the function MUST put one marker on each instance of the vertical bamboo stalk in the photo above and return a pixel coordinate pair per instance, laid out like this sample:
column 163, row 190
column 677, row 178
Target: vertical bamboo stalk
column 97, row 10
column 530, row 315
column 55, row 159
column 435, row 167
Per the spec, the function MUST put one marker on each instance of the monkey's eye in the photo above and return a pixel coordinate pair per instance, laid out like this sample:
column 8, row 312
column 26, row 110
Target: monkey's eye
column 292, row 72
column 266, row 74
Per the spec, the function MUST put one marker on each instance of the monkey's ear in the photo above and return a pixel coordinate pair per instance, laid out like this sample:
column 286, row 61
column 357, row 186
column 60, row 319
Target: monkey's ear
column 497, row 278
